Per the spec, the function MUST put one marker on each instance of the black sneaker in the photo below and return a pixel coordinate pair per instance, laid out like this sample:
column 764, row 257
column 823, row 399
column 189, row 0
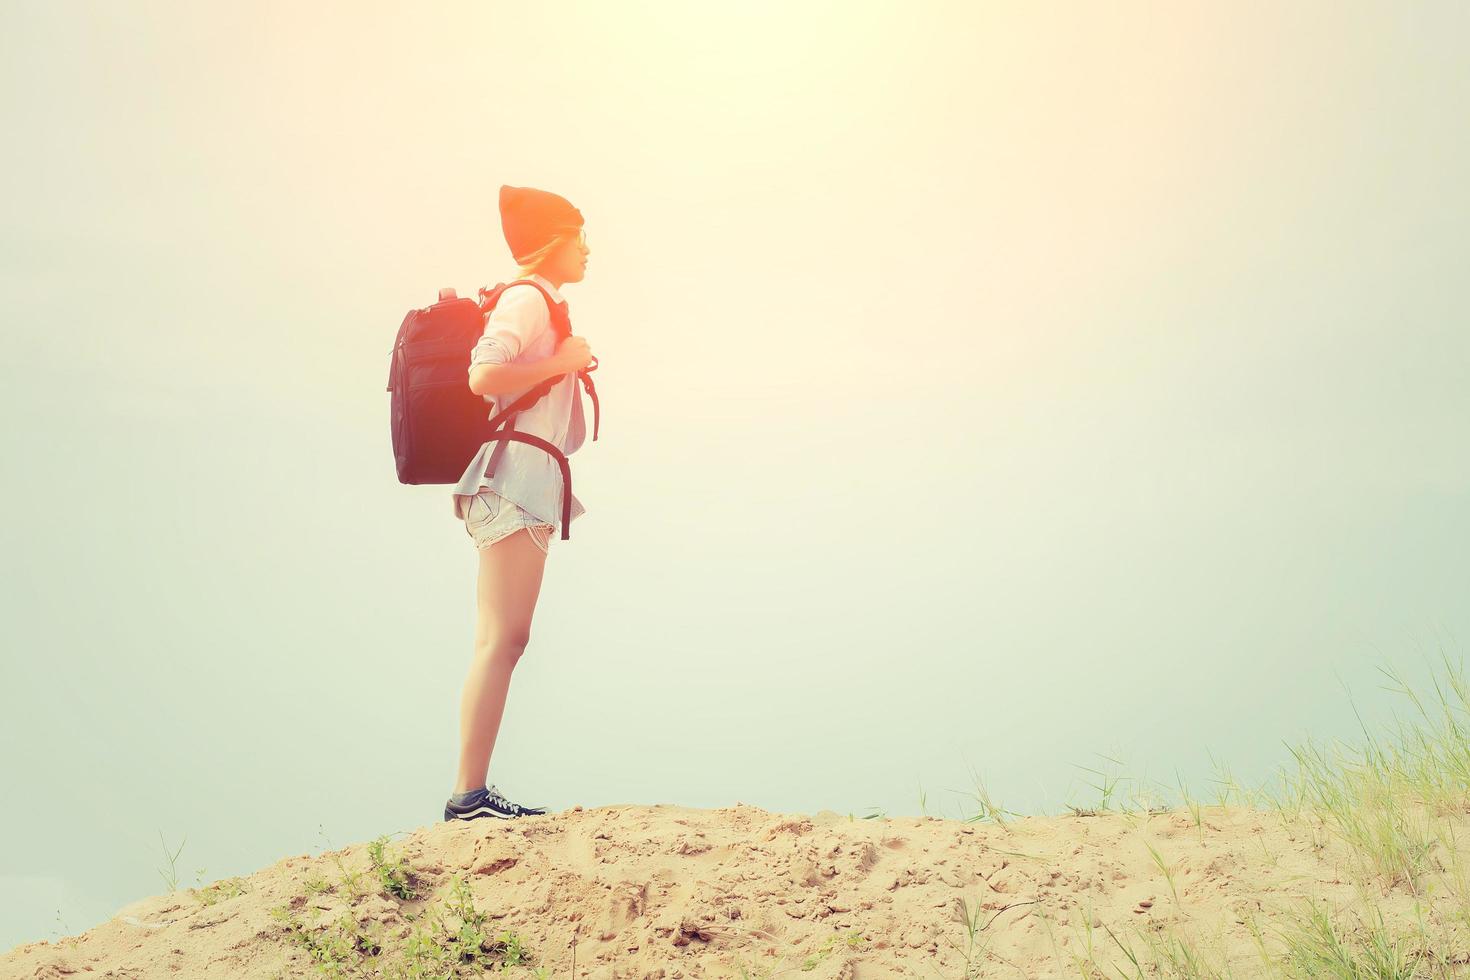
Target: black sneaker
column 488, row 802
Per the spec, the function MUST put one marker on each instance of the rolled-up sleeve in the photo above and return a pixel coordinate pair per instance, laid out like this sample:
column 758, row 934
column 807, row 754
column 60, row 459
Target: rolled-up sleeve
column 519, row 318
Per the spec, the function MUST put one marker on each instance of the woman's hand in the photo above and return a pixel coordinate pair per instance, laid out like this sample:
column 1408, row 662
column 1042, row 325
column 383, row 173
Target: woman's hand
column 573, row 354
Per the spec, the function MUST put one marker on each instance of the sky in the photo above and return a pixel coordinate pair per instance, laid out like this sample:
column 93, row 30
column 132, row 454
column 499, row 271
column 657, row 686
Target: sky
column 990, row 393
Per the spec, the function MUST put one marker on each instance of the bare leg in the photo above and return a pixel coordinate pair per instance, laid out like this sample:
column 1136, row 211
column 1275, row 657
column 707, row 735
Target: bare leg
column 510, row 581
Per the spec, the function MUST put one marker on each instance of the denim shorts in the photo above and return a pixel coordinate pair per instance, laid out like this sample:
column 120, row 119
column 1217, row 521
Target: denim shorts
column 489, row 517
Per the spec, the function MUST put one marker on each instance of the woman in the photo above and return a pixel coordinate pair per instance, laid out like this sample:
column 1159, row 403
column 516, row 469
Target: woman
column 511, row 512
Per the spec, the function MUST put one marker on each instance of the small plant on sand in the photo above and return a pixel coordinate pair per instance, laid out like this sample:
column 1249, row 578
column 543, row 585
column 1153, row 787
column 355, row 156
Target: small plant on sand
column 986, row 807
column 337, row 950
column 1225, row 783
column 455, row 942
column 1196, row 810
column 1175, row 955
column 395, row 875
column 1165, row 868
column 1082, row 961
column 63, row 933
column 1320, row 945
column 1388, row 799
column 220, row 890
column 1395, row 803
column 451, row 941
column 1107, row 787
column 961, row 912
column 351, row 879
column 171, row 876
column 853, row 939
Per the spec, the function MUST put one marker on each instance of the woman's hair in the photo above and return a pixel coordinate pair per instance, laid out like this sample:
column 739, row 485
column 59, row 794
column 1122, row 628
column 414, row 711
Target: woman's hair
column 533, row 261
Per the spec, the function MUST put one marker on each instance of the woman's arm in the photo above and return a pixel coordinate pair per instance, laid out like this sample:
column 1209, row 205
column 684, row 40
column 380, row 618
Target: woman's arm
column 492, row 379
column 519, row 318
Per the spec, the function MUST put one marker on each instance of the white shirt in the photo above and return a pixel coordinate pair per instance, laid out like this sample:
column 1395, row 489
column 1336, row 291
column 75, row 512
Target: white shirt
column 518, row 330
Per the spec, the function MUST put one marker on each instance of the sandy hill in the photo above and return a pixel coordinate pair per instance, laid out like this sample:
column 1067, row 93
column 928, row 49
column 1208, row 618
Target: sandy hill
column 667, row 891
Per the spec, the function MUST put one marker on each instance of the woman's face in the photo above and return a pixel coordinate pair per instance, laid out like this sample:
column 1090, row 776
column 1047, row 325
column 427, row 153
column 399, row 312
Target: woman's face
column 568, row 263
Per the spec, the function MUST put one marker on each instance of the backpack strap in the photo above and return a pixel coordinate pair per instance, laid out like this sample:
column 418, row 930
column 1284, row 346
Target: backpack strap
column 506, row 418
column 561, row 321
column 507, row 435
column 562, row 328
column 503, row 425
column 585, row 376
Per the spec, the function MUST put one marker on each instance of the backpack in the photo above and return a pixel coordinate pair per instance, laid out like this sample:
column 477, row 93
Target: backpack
column 438, row 424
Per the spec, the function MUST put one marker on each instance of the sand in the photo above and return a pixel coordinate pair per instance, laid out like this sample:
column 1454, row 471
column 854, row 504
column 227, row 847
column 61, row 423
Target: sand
column 671, row 892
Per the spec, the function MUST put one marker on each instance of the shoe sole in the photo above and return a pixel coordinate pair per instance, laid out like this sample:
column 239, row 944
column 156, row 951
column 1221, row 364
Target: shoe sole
column 477, row 813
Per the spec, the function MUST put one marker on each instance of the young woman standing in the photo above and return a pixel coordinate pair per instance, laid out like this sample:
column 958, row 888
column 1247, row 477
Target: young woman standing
column 511, row 512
